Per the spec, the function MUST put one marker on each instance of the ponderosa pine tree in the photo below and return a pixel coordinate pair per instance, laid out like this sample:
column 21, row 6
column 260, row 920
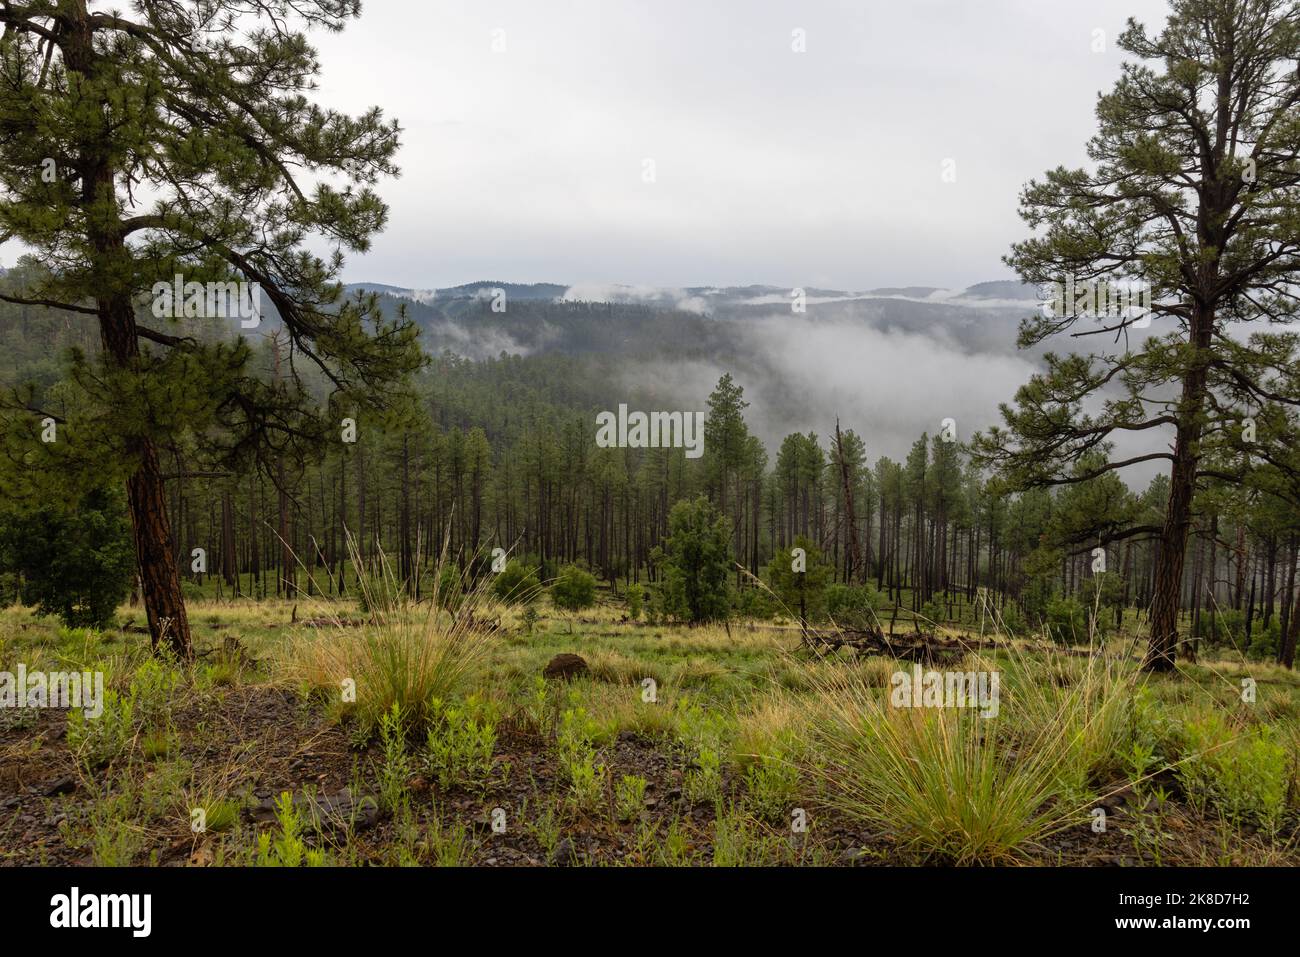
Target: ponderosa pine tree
column 726, row 439
column 181, row 141
column 798, row 577
column 1194, row 192
column 694, row 562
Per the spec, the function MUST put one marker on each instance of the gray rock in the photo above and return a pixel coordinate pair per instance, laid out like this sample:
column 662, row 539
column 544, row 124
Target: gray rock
column 334, row 811
column 64, row 785
column 563, row 854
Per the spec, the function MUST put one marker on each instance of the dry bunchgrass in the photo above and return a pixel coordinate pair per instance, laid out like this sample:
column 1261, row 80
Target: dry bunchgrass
column 967, row 789
column 775, row 726
column 620, row 669
column 404, row 654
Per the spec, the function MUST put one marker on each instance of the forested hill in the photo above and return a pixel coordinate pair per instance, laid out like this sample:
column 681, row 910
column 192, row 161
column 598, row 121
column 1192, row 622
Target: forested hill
column 587, row 347
column 836, row 353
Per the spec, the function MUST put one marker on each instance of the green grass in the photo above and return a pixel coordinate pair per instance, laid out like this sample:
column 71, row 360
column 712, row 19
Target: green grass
column 756, row 728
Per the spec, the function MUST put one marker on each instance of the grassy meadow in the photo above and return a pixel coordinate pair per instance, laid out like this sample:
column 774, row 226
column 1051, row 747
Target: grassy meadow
column 332, row 733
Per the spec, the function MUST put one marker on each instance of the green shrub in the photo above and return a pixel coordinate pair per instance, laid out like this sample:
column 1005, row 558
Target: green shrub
column 460, row 743
column 575, row 739
column 395, row 770
column 629, row 797
column 703, row 782
column 1224, row 626
column 75, row 561
column 1010, row 620
column 287, row 848
column 753, row 604
column 143, row 713
column 517, row 584
column 933, row 613
column 1244, row 774
column 1264, row 641
column 1066, row 621
column 574, row 590
column 853, row 606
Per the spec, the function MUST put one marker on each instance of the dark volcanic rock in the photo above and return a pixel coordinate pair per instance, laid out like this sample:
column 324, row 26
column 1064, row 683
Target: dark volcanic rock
column 334, row 811
column 563, row 855
column 64, row 785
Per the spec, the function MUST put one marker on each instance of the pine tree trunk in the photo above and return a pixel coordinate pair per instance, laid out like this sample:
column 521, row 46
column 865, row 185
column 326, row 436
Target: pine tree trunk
column 229, row 561
column 1288, row 598
column 1239, row 592
column 1286, row 655
column 1162, row 649
column 160, row 583
column 159, row 577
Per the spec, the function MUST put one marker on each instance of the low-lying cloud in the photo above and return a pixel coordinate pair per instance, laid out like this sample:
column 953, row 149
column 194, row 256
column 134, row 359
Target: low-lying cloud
column 799, row 373
column 644, row 295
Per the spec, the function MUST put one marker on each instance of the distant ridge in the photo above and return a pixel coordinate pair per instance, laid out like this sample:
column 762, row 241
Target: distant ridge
column 911, row 292
column 1002, row 289
column 514, row 290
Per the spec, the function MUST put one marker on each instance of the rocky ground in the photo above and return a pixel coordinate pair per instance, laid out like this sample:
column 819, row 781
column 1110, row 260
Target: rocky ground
column 263, row 741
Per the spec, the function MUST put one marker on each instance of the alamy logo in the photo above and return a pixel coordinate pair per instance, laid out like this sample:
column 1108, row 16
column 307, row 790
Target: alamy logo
column 1100, row 300
column 133, row 911
column 653, row 430
column 212, row 300
column 58, row 689
column 947, row 689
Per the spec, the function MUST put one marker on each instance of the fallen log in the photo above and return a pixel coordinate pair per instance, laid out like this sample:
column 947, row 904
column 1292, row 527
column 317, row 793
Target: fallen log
column 921, row 648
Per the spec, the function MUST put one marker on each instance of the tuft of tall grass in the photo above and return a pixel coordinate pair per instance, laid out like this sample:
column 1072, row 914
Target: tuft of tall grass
column 966, row 789
column 404, row 654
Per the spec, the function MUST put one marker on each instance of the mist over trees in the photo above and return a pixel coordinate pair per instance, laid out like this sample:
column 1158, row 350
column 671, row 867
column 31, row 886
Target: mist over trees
column 499, row 454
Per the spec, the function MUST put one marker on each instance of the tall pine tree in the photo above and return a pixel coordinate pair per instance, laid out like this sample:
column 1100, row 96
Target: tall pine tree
column 1193, row 191
column 181, row 141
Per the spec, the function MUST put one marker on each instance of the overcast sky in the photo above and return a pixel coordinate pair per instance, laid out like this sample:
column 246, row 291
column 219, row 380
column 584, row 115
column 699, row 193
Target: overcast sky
column 820, row 168
column 529, row 127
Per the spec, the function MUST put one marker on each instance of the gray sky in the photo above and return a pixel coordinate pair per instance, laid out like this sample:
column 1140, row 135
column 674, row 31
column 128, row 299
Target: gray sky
column 820, row 168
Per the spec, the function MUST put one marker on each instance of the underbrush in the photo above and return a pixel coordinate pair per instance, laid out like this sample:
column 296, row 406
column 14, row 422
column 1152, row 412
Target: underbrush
column 675, row 749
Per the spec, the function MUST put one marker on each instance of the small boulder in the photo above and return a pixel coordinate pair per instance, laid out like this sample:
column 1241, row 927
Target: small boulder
column 565, row 666
column 64, row 785
column 334, row 812
column 564, row 853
